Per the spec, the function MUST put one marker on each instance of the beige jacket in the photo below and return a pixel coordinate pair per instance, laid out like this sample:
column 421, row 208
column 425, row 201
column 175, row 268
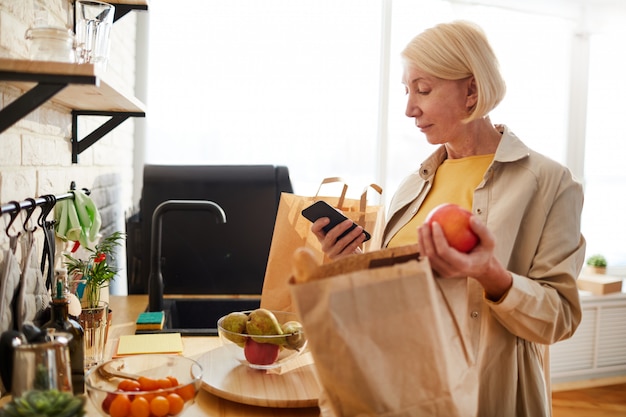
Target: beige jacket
column 533, row 206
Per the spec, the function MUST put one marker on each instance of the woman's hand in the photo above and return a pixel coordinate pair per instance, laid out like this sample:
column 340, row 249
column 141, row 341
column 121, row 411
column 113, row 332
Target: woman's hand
column 336, row 248
column 480, row 263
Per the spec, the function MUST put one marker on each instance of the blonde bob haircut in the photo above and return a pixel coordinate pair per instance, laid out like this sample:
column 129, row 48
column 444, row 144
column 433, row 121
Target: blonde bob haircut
column 458, row 50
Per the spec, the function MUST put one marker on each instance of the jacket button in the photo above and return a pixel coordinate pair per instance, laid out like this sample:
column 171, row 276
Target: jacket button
column 474, row 314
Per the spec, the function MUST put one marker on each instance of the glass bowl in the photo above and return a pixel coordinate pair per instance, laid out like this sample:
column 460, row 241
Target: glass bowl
column 262, row 351
column 159, row 384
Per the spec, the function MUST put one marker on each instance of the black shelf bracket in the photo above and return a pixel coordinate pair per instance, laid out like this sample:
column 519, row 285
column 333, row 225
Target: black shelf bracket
column 46, row 87
column 122, row 9
column 116, row 118
column 28, row 102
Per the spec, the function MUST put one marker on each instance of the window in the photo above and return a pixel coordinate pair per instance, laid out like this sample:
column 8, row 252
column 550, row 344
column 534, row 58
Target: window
column 604, row 224
column 298, row 83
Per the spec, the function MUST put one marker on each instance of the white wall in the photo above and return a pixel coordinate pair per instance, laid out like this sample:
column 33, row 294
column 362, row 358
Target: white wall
column 35, row 153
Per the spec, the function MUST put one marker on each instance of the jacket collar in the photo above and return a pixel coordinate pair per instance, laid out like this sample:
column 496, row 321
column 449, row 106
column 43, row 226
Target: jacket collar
column 510, row 149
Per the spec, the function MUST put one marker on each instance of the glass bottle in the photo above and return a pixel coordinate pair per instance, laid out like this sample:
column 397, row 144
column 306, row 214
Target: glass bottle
column 62, row 321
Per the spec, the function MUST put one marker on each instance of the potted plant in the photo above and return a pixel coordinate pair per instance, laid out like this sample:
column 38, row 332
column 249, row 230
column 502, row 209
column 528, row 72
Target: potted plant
column 96, row 271
column 597, row 264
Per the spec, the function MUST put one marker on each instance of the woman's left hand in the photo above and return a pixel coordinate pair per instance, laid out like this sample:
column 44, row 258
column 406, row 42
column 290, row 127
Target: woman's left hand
column 480, row 263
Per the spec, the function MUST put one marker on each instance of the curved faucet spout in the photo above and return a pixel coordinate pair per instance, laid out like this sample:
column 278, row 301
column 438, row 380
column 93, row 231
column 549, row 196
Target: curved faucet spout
column 155, row 285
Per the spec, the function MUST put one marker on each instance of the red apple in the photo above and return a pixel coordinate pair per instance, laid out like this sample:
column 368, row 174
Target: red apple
column 454, row 220
column 260, row 353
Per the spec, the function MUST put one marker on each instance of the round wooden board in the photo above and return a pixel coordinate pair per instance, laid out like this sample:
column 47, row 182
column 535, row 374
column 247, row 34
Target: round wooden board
column 226, row 378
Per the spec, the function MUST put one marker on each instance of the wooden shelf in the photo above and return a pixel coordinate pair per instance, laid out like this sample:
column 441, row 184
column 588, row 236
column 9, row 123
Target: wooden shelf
column 76, row 86
column 85, row 89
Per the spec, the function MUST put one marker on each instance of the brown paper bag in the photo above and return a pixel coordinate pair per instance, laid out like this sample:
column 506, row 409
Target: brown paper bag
column 292, row 231
column 384, row 339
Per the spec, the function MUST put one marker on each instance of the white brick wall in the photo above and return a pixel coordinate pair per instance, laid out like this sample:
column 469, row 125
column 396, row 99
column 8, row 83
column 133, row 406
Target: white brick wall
column 35, row 153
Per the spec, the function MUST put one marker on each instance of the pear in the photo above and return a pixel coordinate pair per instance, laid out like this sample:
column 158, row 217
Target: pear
column 262, row 322
column 235, row 323
column 294, row 337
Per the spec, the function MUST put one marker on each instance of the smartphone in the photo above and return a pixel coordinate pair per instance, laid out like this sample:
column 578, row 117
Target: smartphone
column 323, row 209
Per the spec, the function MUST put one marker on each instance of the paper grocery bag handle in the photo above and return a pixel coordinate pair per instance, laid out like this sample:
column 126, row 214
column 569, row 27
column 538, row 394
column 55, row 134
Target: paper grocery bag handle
column 331, row 180
column 375, row 187
column 363, row 202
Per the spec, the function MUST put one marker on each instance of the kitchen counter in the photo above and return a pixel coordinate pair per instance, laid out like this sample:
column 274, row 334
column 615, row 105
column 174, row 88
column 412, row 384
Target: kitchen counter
column 125, row 311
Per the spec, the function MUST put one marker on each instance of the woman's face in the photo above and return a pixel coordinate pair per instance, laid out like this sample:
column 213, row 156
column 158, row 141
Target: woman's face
column 438, row 106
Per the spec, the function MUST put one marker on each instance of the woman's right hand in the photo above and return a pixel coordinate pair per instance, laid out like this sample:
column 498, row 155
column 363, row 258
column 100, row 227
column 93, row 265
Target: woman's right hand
column 335, row 248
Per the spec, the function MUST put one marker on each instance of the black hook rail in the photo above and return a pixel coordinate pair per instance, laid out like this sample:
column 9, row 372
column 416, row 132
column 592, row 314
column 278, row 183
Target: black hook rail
column 36, row 202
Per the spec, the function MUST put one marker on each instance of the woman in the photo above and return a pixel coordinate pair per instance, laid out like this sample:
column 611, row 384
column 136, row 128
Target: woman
column 520, row 294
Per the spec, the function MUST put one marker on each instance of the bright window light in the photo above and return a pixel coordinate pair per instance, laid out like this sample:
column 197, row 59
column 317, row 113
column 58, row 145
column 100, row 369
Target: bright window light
column 298, row 83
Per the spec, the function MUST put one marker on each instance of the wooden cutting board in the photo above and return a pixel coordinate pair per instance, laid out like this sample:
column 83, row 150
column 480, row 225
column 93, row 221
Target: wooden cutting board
column 294, row 387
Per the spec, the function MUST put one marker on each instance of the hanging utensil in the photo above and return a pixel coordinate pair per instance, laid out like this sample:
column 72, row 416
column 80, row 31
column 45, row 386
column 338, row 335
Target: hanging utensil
column 47, row 258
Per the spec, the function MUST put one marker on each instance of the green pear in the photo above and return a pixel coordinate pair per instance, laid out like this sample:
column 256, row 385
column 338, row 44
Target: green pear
column 294, row 336
column 235, row 323
column 262, row 322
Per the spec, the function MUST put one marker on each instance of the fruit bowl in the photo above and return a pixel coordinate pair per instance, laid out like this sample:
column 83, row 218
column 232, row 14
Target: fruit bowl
column 157, row 385
column 262, row 339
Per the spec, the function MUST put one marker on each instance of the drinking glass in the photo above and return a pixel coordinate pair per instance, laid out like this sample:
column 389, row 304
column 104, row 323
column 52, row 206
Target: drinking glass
column 94, row 323
column 94, row 20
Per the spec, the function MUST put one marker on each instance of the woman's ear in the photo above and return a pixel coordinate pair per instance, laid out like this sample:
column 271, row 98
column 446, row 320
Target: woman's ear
column 472, row 93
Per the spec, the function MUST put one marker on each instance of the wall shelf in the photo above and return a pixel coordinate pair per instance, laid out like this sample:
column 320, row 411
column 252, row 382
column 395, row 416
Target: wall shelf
column 76, row 86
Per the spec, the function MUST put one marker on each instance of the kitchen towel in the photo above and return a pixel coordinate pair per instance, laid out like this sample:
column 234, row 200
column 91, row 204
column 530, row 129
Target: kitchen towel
column 77, row 219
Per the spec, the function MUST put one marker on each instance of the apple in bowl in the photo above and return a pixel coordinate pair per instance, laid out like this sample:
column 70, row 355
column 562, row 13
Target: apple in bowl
column 455, row 222
column 261, row 338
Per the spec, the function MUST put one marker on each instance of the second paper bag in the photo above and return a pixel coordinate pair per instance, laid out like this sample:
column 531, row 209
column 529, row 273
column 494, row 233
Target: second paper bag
column 292, row 231
column 385, row 343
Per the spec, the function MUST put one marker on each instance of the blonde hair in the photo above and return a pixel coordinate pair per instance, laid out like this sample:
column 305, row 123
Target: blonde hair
column 457, row 50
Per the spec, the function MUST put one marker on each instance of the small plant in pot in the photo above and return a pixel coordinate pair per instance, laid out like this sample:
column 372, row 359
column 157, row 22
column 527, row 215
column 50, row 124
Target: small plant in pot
column 597, row 264
column 97, row 271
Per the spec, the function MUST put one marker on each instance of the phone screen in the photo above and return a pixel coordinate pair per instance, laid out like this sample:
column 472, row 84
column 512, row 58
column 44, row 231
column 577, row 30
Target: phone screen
column 323, row 209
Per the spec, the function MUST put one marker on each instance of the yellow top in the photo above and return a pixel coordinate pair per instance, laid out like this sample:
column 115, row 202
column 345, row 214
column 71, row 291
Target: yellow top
column 454, row 182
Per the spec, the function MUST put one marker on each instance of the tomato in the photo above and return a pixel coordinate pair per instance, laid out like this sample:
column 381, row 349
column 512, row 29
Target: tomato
column 176, row 403
column 188, row 392
column 173, row 380
column 140, row 407
column 164, row 383
column 159, row 406
column 148, row 384
column 129, row 385
column 106, row 403
column 149, row 396
column 120, row 406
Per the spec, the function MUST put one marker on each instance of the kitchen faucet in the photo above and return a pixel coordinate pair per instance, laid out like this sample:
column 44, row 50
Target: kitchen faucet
column 155, row 286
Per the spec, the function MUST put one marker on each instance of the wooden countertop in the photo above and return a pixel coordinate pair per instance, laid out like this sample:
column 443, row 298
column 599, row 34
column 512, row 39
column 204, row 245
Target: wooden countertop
column 125, row 311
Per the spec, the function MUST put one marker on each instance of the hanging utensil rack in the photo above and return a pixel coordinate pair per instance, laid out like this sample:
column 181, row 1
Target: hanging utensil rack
column 39, row 201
